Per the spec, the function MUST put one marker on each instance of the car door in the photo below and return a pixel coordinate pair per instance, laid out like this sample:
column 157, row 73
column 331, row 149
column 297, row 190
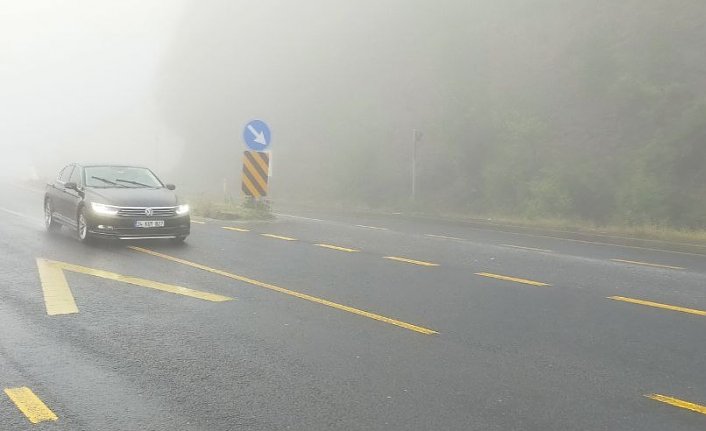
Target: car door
column 62, row 198
column 74, row 197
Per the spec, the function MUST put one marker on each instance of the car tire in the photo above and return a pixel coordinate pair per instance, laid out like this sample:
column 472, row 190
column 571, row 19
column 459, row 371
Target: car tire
column 49, row 221
column 179, row 239
column 82, row 227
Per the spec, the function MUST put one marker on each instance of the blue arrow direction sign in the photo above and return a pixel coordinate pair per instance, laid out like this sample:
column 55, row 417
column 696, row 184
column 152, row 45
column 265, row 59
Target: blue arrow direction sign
column 257, row 135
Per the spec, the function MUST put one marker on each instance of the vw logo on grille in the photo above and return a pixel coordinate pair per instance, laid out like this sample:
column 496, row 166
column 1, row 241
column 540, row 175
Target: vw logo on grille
column 149, row 212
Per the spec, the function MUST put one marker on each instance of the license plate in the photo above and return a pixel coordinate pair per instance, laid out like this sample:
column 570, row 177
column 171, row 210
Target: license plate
column 150, row 223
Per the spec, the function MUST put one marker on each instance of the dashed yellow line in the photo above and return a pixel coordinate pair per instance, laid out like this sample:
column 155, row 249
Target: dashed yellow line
column 198, row 222
column 289, row 292
column 513, row 279
column 678, row 403
column 412, row 261
column 285, row 238
column 30, row 405
column 655, row 265
column 335, row 247
column 658, row 305
column 236, row 229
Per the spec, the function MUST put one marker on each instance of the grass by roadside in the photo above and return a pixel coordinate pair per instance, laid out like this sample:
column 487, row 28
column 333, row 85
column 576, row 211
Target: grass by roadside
column 229, row 210
column 642, row 232
column 559, row 226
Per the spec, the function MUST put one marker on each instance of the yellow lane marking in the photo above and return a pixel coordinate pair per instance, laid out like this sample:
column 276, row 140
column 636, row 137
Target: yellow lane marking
column 335, row 247
column 514, row 279
column 198, row 222
column 30, row 405
column 412, row 261
column 286, row 238
column 527, row 248
column 678, row 403
column 656, row 265
column 237, row 229
column 443, row 237
column 59, row 300
column 371, row 227
column 57, row 294
column 299, row 295
column 658, row 305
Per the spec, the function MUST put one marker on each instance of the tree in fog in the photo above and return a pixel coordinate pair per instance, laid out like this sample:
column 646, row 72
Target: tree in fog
column 584, row 109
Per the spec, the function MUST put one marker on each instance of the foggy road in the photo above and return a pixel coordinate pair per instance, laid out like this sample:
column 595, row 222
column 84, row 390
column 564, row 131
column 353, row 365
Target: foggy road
column 321, row 321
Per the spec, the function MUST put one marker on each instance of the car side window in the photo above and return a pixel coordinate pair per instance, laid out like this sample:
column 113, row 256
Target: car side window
column 65, row 174
column 76, row 176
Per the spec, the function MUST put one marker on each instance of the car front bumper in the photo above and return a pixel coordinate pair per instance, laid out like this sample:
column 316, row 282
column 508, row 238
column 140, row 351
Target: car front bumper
column 124, row 227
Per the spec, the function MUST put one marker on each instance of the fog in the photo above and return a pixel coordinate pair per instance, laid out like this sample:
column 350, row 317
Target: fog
column 77, row 80
column 589, row 110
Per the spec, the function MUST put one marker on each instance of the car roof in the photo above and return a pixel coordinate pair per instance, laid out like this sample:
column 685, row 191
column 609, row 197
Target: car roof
column 108, row 165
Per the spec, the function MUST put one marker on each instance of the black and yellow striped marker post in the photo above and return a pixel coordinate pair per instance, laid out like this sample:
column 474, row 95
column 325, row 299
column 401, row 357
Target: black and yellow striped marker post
column 256, row 166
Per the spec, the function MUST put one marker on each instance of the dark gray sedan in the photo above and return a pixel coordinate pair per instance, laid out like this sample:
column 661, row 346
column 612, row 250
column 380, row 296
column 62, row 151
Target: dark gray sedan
column 124, row 202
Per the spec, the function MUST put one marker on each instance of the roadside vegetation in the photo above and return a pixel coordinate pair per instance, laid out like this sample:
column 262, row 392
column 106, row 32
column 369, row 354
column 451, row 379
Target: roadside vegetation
column 565, row 114
column 635, row 231
column 229, row 209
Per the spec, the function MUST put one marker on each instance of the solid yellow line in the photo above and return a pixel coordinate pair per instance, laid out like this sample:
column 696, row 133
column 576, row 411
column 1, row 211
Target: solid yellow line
column 237, row 229
column 286, row 238
column 30, row 405
column 514, row 279
column 412, row 261
column 658, row 305
column 335, row 247
column 206, row 296
column 656, row 265
column 57, row 294
column 299, row 295
column 678, row 403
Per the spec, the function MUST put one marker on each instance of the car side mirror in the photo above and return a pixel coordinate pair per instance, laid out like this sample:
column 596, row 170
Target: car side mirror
column 171, row 186
column 71, row 186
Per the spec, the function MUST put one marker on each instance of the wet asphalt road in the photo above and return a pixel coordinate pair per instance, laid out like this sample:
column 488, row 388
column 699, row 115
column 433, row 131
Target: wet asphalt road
column 340, row 322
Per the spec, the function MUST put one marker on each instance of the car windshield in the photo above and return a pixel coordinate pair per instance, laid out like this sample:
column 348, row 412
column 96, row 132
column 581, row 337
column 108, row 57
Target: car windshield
column 120, row 176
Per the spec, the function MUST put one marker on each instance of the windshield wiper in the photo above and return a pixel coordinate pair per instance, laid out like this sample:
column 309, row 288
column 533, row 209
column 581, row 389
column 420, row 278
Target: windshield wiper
column 134, row 182
column 107, row 181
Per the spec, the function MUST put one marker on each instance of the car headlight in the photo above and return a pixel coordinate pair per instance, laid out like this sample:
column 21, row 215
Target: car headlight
column 103, row 209
column 182, row 209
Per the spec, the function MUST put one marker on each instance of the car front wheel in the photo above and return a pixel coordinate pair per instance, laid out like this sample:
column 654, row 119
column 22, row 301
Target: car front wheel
column 82, row 226
column 51, row 224
column 179, row 240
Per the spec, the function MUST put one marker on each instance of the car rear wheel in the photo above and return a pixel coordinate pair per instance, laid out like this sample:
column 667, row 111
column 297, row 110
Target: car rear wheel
column 51, row 224
column 82, row 226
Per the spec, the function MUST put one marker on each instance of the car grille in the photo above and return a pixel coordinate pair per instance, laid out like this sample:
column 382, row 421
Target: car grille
column 140, row 212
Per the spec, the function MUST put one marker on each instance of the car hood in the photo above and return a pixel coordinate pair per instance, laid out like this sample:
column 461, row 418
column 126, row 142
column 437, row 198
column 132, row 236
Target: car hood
column 133, row 197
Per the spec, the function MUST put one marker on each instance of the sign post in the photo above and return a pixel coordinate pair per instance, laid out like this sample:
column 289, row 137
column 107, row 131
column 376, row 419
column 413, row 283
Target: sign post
column 256, row 160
